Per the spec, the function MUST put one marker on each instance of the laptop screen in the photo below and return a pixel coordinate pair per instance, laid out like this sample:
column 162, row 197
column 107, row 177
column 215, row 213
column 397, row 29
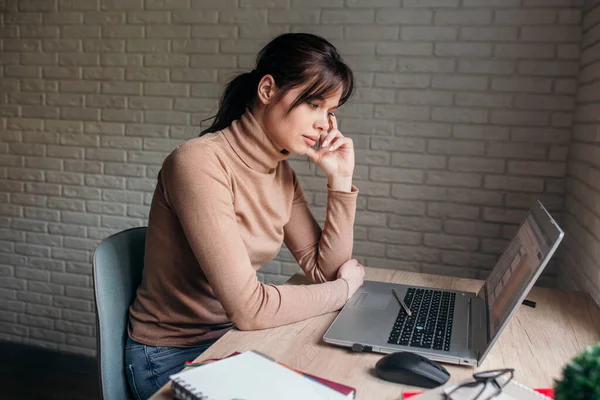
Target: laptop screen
column 515, row 270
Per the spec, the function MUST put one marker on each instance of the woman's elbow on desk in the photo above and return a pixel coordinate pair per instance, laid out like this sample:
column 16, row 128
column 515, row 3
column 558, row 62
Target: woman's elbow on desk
column 248, row 324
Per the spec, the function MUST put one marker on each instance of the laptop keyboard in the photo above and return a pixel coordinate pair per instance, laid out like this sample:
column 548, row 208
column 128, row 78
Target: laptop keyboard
column 430, row 326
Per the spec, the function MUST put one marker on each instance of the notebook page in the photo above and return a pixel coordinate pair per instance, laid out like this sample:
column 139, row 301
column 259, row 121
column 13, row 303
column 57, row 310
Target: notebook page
column 250, row 376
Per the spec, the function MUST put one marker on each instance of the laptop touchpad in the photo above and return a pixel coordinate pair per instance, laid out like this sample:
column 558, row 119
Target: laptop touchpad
column 373, row 301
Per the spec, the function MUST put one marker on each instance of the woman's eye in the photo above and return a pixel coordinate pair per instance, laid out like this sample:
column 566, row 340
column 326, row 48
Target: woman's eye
column 331, row 114
column 313, row 105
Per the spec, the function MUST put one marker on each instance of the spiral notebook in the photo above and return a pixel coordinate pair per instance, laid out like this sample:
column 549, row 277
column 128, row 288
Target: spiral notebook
column 513, row 391
column 249, row 376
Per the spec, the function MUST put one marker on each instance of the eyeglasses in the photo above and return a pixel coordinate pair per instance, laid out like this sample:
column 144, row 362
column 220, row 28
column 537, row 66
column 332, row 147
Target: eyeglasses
column 486, row 385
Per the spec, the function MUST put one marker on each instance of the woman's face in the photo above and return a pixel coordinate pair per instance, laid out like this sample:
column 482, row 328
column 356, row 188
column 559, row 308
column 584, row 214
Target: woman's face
column 299, row 129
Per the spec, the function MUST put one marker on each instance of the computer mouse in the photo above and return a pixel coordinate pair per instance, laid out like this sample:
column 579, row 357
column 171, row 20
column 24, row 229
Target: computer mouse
column 411, row 369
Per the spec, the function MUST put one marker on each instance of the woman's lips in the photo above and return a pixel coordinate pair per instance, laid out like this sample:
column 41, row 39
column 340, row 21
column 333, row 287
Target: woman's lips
column 311, row 142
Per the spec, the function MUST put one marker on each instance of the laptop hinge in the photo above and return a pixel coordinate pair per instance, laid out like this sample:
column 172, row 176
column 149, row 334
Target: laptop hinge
column 470, row 324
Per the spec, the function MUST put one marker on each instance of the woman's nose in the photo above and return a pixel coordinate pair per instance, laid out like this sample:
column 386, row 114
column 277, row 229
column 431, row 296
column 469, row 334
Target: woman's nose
column 322, row 124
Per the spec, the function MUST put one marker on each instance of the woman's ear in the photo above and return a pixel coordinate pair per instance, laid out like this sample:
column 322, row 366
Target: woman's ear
column 266, row 89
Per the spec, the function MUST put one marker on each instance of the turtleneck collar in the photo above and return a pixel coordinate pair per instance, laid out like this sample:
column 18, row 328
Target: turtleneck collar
column 252, row 144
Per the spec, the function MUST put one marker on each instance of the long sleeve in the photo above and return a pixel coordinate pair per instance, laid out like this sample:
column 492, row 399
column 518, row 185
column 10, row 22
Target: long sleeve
column 320, row 253
column 199, row 190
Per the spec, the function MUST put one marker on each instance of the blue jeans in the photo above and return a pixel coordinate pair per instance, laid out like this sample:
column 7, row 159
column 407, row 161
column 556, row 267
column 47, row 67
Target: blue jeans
column 148, row 367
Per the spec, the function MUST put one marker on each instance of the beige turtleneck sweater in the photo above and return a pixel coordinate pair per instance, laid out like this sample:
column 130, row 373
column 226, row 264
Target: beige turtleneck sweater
column 223, row 205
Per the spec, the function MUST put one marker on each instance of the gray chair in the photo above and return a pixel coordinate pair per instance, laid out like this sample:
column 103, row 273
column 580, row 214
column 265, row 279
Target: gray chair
column 117, row 272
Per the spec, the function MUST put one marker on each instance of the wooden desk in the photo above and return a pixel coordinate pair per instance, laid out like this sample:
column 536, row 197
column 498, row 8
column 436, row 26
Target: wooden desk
column 537, row 342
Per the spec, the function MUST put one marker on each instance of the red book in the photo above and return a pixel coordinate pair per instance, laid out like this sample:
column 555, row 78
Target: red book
column 350, row 392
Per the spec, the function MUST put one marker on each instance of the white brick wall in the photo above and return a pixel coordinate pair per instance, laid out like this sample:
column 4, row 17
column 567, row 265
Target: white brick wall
column 462, row 117
column 581, row 268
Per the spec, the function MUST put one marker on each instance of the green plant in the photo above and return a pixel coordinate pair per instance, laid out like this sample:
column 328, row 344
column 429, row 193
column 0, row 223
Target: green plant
column 581, row 377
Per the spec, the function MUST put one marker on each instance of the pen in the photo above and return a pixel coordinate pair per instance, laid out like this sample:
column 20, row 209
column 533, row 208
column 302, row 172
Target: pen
column 402, row 303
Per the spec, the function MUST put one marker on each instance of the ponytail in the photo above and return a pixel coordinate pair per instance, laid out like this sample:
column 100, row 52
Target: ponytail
column 238, row 95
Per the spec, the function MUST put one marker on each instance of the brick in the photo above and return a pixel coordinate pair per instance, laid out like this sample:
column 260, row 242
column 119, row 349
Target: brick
column 453, row 179
column 459, row 82
column 423, row 129
column 295, row 16
column 550, row 34
column 517, row 150
column 451, row 242
column 367, row 95
column 41, row 164
column 402, row 207
column 463, row 49
column 404, row 49
column 407, row 64
column 125, row 31
column 548, row 68
column 528, row 118
column 433, row 34
column 121, row 196
column 394, row 237
column 79, row 317
column 587, row 93
column 105, row 45
column 458, row 115
column 162, row 17
column 489, row 34
column 167, row 4
column 168, row 31
column 397, row 112
column 462, row 17
column 540, row 102
column 491, row 3
column 332, row 32
column 475, row 164
column 149, row 46
column 347, row 17
column 536, row 168
column 449, row 210
column 503, row 215
column 524, row 51
column 117, row 59
column 101, row 181
column 570, row 52
column 371, row 33
column 67, row 229
column 213, row 4
column 525, row 17
column 229, row 32
column 430, row 3
column 401, row 81
column 401, row 144
column 22, row 71
column 166, row 117
column 587, row 113
column 453, row 147
column 104, row 17
column 484, row 100
column 475, row 196
column 79, row 87
column 474, row 229
column 514, row 183
column 419, row 161
column 81, row 192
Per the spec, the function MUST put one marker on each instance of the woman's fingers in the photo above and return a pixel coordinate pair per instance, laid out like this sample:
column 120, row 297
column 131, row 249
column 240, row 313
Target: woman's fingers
column 330, row 137
column 339, row 142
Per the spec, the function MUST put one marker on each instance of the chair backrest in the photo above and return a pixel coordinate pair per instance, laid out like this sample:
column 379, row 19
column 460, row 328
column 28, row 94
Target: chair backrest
column 117, row 272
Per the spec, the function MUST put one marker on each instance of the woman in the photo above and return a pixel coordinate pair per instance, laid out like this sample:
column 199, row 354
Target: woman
column 226, row 201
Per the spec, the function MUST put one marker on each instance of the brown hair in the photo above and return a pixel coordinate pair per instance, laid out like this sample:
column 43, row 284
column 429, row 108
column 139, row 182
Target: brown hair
column 292, row 59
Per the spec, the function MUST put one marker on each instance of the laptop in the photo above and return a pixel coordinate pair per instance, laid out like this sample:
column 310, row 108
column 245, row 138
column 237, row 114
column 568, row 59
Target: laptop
column 449, row 326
